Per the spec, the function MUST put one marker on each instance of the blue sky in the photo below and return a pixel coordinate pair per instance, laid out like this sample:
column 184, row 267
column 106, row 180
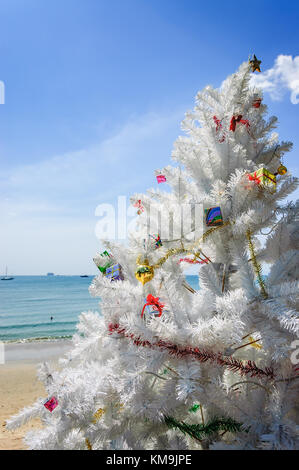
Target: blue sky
column 94, row 95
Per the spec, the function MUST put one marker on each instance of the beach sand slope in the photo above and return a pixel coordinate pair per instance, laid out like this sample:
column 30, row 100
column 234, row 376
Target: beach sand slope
column 19, row 386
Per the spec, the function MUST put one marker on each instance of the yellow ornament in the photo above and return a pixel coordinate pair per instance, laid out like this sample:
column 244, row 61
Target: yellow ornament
column 144, row 272
column 281, row 170
column 254, row 344
column 119, row 406
column 98, row 414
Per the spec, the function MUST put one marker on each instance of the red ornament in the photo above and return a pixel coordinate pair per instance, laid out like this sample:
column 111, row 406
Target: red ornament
column 219, row 127
column 140, row 206
column 257, row 102
column 154, row 301
column 51, row 404
column 218, row 123
column 161, row 179
column 238, row 119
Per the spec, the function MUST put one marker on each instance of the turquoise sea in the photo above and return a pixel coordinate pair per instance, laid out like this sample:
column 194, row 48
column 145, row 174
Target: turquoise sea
column 27, row 304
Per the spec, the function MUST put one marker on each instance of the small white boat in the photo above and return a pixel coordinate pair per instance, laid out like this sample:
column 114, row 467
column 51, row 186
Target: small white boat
column 6, row 277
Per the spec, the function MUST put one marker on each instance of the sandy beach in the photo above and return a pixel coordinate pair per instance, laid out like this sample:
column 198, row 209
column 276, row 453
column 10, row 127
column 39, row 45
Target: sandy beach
column 19, row 385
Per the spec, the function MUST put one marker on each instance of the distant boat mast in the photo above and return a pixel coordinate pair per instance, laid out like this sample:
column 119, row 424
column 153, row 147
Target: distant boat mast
column 6, row 277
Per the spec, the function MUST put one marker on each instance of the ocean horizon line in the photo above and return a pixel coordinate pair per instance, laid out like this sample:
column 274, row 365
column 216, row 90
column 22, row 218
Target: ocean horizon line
column 68, row 275
column 45, row 308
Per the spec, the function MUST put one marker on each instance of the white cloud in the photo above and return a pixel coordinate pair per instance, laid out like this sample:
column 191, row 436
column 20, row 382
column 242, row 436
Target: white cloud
column 284, row 75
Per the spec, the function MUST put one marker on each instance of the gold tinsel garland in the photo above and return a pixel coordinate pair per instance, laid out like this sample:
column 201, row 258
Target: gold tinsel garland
column 256, row 266
column 176, row 251
column 88, row 444
column 98, row 414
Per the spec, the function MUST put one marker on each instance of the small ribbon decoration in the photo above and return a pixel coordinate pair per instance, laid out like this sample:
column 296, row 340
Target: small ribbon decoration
column 234, row 120
column 218, row 123
column 219, row 127
column 105, row 253
column 254, row 178
column 154, row 301
column 139, row 205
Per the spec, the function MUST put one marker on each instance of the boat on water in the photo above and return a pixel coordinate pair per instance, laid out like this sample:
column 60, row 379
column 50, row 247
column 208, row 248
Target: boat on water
column 84, row 275
column 50, row 274
column 6, row 277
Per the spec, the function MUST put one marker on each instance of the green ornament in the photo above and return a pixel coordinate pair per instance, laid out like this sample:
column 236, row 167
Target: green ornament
column 194, row 408
column 103, row 268
column 105, row 253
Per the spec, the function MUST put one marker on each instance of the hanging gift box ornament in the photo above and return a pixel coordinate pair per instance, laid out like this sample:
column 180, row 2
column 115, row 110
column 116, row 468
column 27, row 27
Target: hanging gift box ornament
column 263, row 178
column 257, row 102
column 255, row 64
column 152, row 306
column 157, row 240
column 281, row 170
column 103, row 269
column 51, row 404
column 114, row 273
column 103, row 261
column 161, row 179
column 144, row 273
column 213, row 216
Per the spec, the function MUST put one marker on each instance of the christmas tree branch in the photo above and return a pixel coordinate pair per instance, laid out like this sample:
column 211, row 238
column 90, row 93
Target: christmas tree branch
column 201, row 431
column 235, row 365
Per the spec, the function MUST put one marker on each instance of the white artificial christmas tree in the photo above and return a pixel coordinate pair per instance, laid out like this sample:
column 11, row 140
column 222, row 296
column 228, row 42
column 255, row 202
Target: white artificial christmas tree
column 209, row 369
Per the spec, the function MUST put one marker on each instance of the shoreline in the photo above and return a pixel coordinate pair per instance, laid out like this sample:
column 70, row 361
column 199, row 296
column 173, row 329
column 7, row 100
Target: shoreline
column 35, row 351
column 19, row 386
column 37, row 339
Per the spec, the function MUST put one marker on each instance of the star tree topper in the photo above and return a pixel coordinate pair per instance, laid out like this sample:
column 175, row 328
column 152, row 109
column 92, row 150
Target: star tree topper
column 255, row 64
